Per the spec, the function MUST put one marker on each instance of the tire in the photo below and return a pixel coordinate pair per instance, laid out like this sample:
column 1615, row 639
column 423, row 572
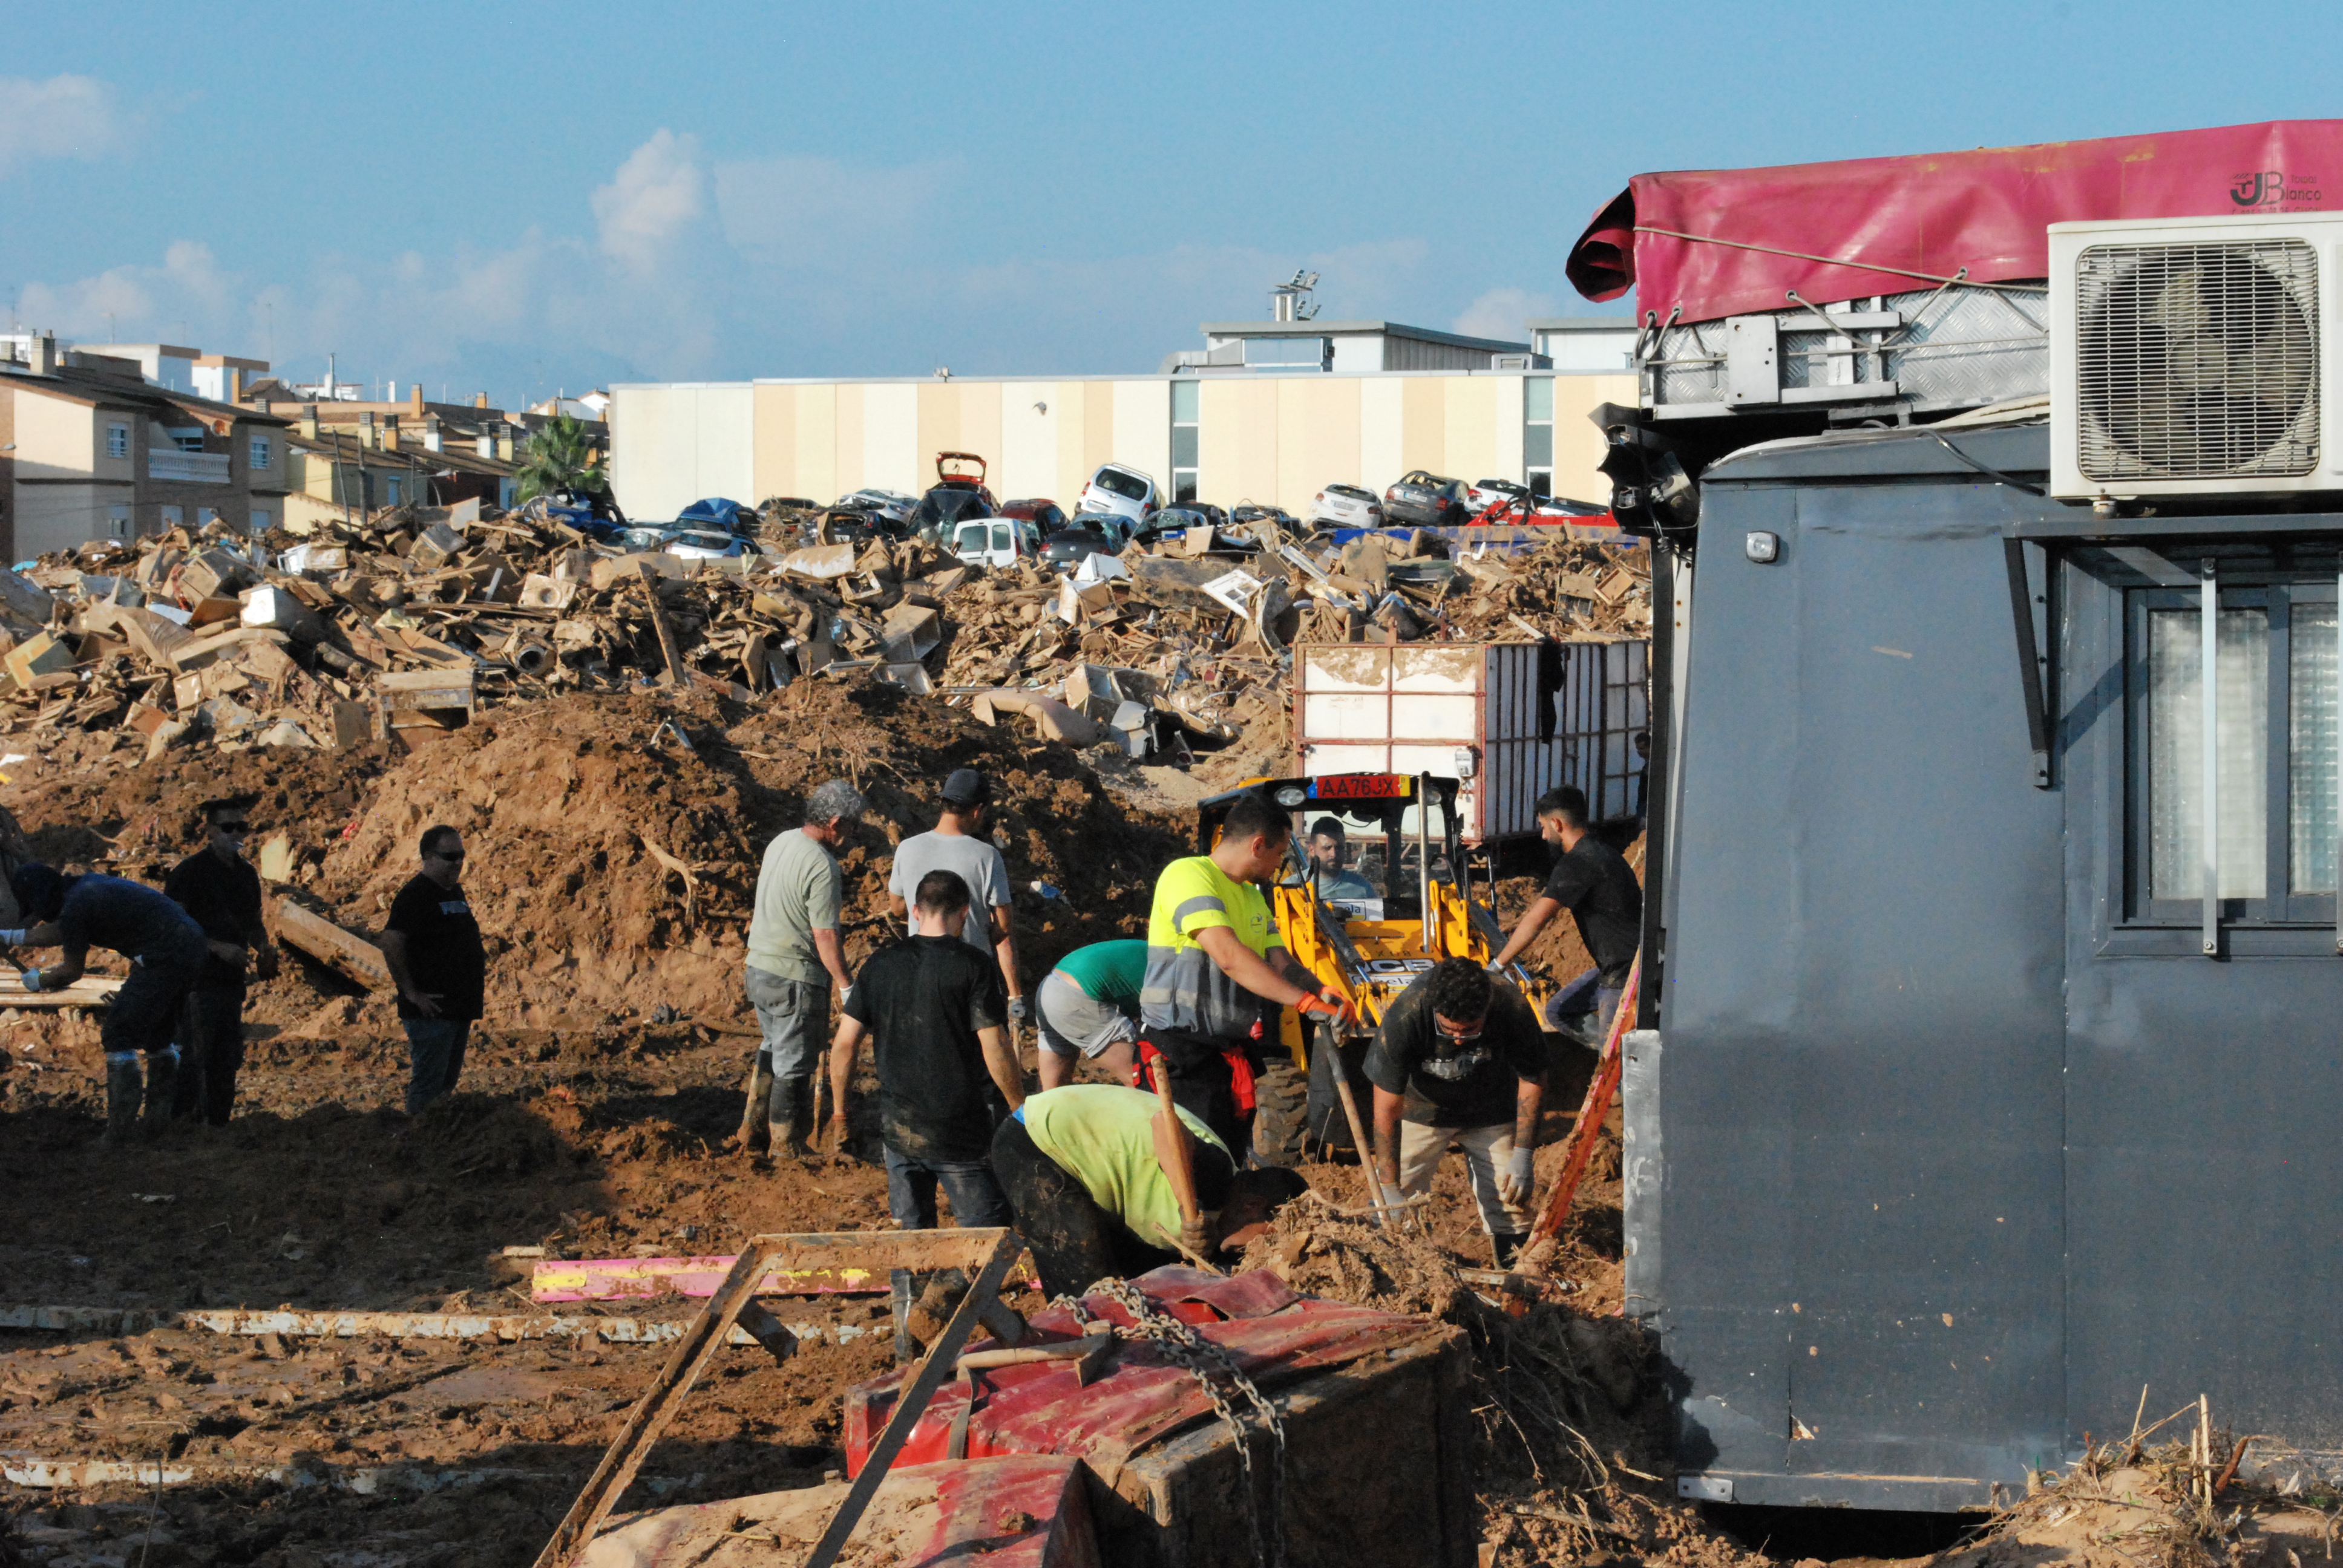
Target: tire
column 1280, row 1099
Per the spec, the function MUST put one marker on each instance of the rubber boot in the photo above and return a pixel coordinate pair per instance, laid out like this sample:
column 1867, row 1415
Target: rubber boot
column 123, row 1084
column 162, row 1089
column 1508, row 1245
column 802, row 1114
column 787, row 1115
column 754, row 1136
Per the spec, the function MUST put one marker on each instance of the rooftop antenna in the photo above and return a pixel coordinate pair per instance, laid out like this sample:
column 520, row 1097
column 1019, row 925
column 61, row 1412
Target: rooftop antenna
column 1290, row 301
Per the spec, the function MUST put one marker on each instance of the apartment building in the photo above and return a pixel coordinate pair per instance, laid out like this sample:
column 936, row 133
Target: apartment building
column 90, row 449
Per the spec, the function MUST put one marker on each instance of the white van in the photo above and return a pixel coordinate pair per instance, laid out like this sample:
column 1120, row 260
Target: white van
column 1119, row 491
column 996, row 541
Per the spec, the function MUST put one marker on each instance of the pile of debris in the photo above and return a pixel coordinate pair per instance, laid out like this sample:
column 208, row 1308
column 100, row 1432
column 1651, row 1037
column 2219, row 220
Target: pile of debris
column 405, row 623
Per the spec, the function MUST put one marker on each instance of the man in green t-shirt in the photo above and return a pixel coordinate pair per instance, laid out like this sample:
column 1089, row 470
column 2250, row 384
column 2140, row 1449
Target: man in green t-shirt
column 1086, row 1168
column 1089, row 1007
column 794, row 959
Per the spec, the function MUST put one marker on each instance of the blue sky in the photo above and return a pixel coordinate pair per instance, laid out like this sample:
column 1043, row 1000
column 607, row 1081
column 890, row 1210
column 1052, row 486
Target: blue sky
column 521, row 198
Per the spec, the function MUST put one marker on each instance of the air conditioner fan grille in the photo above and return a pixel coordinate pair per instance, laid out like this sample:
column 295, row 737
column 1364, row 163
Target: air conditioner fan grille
column 2198, row 361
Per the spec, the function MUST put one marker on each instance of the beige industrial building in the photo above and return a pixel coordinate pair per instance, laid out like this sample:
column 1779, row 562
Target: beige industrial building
column 1243, row 433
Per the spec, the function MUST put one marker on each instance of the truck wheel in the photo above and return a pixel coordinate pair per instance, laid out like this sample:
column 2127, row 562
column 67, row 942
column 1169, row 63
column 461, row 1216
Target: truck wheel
column 1281, row 1096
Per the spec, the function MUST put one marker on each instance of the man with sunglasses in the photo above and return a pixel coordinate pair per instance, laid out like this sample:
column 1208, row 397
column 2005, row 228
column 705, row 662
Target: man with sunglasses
column 1460, row 1063
column 432, row 947
column 220, row 890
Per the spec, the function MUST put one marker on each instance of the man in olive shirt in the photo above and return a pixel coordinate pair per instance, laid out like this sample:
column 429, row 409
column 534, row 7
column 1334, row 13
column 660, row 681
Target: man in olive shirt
column 1596, row 886
column 218, row 886
column 1460, row 1063
column 794, row 963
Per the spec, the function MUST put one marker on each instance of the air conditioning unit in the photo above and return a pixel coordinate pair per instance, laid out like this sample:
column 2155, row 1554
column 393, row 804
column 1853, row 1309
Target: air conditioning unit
column 2188, row 357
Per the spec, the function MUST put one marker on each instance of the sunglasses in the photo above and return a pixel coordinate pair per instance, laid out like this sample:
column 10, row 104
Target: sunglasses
column 239, row 829
column 453, row 859
column 1461, row 1036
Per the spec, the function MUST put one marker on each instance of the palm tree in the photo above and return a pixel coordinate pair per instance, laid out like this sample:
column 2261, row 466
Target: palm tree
column 559, row 458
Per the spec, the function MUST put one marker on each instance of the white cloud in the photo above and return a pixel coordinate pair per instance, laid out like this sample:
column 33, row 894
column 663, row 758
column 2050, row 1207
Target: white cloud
column 138, row 303
column 658, row 193
column 62, row 117
column 1501, row 312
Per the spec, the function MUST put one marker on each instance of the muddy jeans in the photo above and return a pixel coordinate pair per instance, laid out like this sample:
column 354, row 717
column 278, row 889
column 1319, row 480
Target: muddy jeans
column 435, row 1058
column 1486, row 1150
column 211, row 1050
column 1074, row 1242
column 976, row 1197
column 794, row 1018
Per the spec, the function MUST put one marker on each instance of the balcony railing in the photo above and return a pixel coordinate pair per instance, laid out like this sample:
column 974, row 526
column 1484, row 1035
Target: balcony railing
column 187, row 467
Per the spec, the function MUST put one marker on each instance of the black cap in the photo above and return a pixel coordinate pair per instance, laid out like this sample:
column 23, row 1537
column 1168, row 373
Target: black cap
column 967, row 787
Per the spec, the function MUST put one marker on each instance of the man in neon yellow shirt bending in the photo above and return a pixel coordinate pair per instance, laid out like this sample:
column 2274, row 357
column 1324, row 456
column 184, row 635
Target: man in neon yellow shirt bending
column 1088, row 1171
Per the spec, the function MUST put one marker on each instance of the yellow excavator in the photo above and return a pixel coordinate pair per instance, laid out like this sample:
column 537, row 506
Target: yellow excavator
column 1395, row 895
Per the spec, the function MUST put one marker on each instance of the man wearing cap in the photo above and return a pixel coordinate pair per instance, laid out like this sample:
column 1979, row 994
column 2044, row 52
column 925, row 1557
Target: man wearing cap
column 1089, row 1170
column 794, row 965
column 1213, row 957
column 219, row 887
column 167, row 950
column 959, row 846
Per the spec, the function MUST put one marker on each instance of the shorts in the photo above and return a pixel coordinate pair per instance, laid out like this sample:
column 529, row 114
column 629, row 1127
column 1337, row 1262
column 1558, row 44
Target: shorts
column 1074, row 1022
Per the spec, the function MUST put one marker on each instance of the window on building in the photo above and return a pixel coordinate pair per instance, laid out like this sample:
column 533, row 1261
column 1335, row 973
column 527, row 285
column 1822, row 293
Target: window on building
column 118, row 440
column 260, row 454
column 2274, row 807
column 118, row 521
column 1537, row 434
column 187, row 438
column 1187, row 401
column 393, row 489
column 1287, row 353
column 262, row 519
column 174, row 516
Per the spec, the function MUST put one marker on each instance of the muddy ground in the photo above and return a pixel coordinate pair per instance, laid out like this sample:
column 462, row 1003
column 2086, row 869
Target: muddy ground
column 584, row 1127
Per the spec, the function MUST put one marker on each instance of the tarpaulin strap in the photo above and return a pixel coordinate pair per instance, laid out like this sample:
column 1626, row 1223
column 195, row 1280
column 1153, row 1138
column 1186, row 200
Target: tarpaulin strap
column 1829, row 260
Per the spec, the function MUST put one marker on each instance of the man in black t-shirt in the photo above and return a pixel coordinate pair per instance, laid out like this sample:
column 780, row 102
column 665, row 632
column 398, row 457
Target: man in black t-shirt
column 936, row 1010
column 218, row 886
column 1460, row 1063
column 432, row 945
column 1596, row 887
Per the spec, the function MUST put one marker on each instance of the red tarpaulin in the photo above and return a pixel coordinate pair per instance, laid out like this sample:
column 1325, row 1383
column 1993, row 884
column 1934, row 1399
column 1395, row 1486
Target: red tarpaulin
column 1727, row 242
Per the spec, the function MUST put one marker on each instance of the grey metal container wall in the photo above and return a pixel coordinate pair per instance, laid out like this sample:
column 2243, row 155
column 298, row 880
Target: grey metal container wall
column 1942, row 1148
column 1928, row 351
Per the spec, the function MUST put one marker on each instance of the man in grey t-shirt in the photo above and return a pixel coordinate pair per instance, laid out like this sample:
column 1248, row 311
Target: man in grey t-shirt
column 794, row 959
column 959, row 845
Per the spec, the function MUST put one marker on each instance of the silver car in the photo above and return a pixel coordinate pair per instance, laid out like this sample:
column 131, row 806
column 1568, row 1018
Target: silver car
column 892, row 505
column 1347, row 506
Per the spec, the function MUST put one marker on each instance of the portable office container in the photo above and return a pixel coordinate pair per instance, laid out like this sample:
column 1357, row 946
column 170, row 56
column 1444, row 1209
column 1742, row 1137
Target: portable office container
column 1508, row 719
column 1986, row 1085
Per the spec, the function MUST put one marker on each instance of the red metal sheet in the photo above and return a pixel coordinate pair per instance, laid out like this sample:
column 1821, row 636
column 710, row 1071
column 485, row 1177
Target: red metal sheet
column 1273, row 1334
column 1724, row 242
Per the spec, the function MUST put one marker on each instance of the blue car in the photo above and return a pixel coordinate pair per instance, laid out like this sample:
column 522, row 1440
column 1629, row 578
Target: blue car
column 716, row 512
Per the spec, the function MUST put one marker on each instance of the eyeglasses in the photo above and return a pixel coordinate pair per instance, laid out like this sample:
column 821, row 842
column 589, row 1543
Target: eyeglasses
column 1461, row 1036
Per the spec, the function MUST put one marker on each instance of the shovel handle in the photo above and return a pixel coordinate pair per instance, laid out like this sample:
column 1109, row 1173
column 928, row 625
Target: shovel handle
column 1182, row 1169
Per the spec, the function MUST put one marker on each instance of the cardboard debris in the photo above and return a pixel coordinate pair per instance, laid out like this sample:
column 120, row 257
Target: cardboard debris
column 400, row 626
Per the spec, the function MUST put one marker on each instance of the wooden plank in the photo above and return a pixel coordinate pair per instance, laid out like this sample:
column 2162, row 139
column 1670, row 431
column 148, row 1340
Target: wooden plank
column 611, row 1279
column 90, row 991
column 336, row 948
column 670, row 653
column 984, row 1253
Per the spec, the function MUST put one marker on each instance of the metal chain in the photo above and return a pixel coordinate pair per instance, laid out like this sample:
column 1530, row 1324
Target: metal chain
column 1205, row 1359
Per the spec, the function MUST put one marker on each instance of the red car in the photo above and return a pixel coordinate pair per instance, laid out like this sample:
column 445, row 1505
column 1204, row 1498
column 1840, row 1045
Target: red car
column 1040, row 512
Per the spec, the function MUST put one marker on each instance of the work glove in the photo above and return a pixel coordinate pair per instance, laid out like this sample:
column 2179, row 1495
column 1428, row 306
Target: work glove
column 1518, row 1180
column 1335, row 1009
column 32, row 980
column 1020, row 1009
